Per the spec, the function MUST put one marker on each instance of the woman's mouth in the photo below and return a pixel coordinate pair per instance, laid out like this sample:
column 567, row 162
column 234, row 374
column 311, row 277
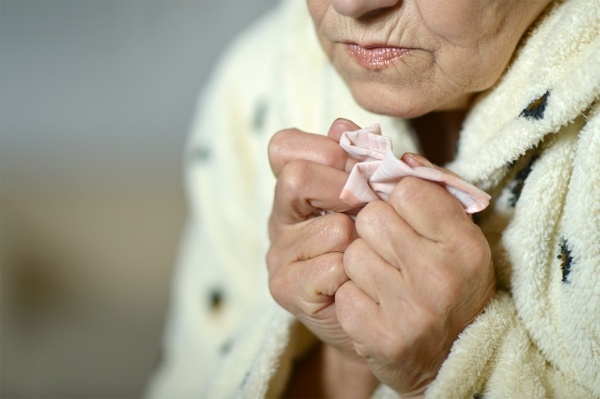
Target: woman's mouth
column 375, row 58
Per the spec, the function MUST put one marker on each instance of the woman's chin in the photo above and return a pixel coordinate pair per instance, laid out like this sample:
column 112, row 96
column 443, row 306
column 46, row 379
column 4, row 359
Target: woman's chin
column 392, row 103
column 406, row 103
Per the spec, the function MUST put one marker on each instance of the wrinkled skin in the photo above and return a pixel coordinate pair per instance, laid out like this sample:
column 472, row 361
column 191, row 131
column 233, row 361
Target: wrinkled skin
column 394, row 288
column 388, row 294
column 457, row 48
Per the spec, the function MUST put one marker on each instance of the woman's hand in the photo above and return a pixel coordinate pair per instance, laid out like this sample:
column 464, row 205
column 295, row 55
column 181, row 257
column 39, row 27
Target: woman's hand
column 420, row 272
column 399, row 295
column 305, row 260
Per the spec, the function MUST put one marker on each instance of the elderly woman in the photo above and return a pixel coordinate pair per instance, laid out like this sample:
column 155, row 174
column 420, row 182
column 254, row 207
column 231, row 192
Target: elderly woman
column 410, row 296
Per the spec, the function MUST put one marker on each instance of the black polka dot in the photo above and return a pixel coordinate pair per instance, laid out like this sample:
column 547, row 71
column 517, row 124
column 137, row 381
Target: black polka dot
column 245, row 380
column 566, row 260
column 216, row 299
column 519, row 181
column 260, row 115
column 200, row 154
column 535, row 110
column 226, row 347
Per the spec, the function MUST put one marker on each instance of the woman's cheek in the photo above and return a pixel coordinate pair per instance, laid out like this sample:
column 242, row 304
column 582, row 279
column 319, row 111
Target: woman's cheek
column 317, row 9
column 456, row 22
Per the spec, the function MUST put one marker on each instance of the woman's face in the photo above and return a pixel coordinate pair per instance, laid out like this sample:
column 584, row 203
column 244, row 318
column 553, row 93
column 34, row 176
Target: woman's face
column 408, row 57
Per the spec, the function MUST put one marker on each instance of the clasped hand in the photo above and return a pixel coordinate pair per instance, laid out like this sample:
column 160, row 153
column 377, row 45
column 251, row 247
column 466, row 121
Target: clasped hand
column 393, row 288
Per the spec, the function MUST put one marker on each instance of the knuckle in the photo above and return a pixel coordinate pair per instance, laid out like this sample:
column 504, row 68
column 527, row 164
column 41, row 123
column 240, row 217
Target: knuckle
column 293, row 179
column 370, row 214
column 339, row 229
column 408, row 191
column 278, row 143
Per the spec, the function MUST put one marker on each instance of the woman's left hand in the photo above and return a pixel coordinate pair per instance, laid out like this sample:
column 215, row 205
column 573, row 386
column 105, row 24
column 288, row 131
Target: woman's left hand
column 420, row 272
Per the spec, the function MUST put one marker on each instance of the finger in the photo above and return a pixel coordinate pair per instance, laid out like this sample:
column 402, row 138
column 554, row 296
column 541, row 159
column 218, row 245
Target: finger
column 415, row 160
column 330, row 233
column 305, row 187
column 305, row 286
column 357, row 313
column 292, row 144
column 369, row 271
column 323, row 275
column 388, row 235
column 429, row 209
column 341, row 126
column 310, row 239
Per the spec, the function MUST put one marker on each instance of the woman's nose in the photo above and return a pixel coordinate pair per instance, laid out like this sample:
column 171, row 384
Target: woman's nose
column 359, row 8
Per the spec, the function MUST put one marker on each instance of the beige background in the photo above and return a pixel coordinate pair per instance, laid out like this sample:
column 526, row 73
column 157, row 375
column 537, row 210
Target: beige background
column 95, row 100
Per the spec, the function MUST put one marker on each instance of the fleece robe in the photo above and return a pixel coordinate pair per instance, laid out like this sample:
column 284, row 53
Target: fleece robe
column 532, row 142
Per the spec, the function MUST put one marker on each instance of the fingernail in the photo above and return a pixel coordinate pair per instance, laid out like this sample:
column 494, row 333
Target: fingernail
column 421, row 160
column 345, row 121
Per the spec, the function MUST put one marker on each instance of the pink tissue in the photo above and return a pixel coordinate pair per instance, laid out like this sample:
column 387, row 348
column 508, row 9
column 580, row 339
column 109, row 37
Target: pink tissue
column 378, row 171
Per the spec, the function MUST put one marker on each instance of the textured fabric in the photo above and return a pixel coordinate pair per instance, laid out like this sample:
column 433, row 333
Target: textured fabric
column 378, row 171
column 532, row 142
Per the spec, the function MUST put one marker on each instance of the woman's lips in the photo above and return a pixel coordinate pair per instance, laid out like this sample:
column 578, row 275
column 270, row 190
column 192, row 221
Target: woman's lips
column 375, row 58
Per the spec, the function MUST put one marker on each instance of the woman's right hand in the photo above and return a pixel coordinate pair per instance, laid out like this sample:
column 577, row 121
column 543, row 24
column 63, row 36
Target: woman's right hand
column 305, row 260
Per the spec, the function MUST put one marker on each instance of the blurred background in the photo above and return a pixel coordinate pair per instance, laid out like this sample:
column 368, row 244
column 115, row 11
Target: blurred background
column 95, row 101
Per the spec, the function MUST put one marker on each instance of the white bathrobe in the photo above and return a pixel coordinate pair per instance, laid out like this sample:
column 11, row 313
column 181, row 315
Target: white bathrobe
column 532, row 142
